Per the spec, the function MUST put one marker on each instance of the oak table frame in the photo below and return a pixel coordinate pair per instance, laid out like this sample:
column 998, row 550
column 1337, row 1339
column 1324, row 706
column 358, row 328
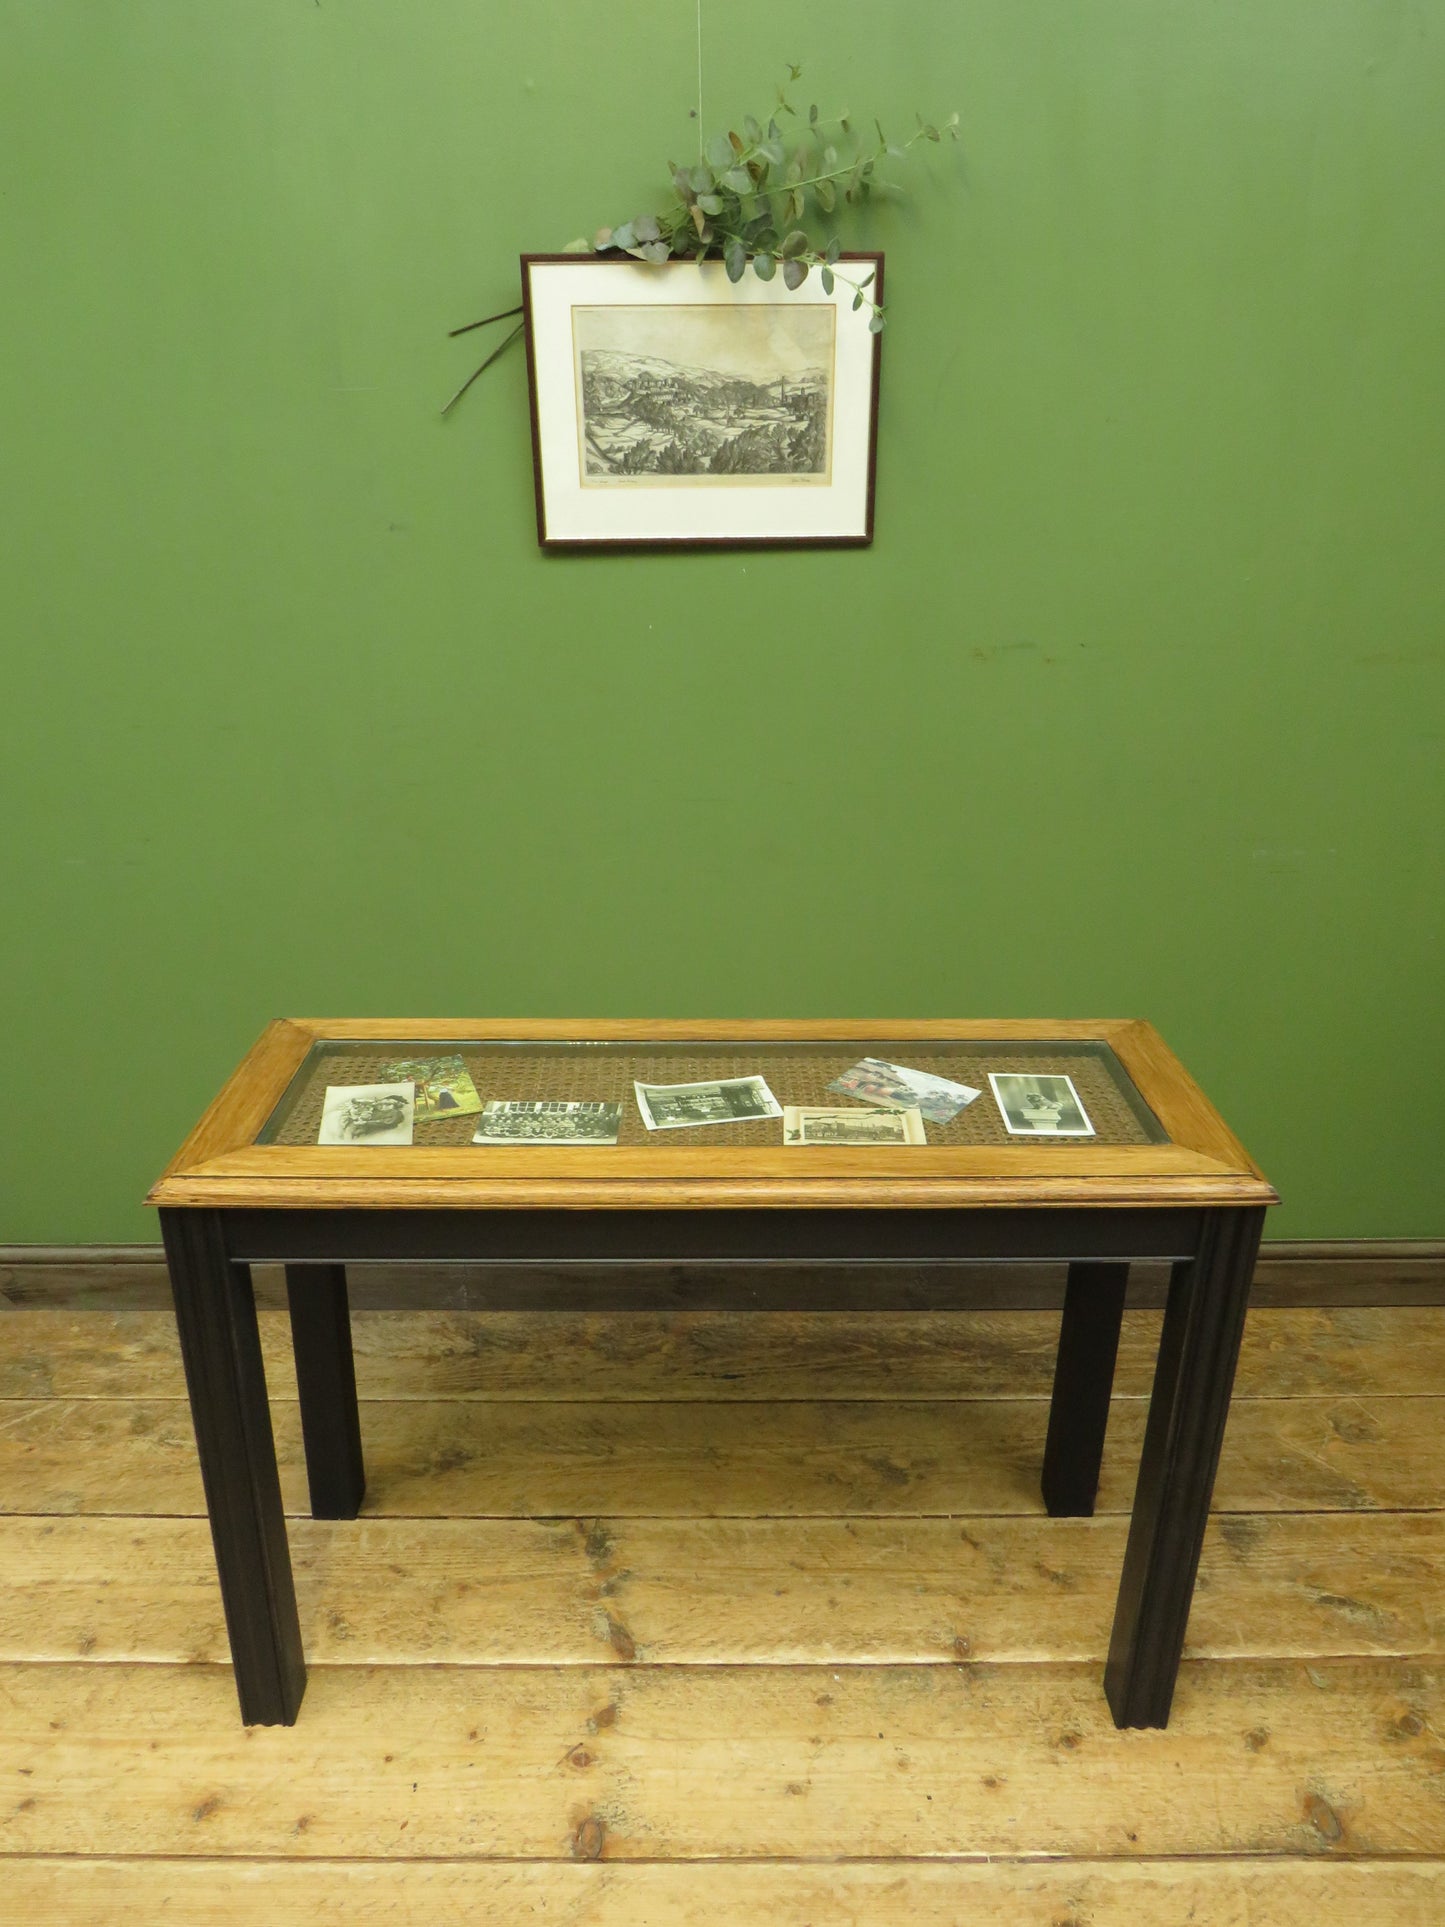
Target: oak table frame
column 227, row 1202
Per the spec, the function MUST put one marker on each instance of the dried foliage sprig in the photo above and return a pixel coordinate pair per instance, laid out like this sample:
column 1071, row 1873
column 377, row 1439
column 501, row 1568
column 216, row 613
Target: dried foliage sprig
column 760, row 198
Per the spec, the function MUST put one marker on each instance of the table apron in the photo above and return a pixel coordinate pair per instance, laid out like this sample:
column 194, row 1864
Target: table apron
column 1101, row 1233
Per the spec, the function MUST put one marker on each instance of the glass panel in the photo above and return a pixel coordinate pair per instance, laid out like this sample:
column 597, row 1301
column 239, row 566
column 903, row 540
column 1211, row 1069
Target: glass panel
column 797, row 1072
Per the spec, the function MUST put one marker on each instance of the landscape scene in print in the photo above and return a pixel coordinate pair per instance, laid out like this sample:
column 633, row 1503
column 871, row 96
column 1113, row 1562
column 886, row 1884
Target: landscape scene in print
column 704, row 394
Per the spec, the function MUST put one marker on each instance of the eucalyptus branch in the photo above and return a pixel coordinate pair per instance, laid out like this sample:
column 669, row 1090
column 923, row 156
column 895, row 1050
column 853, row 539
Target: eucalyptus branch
column 502, row 314
column 750, row 201
column 501, row 350
column 747, row 202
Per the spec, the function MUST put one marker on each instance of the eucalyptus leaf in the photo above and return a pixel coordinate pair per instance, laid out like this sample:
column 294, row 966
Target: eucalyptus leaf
column 795, row 273
column 827, row 278
column 764, row 266
column 775, row 133
column 719, row 151
column 735, row 260
column 797, row 206
column 645, row 227
column 702, row 180
column 833, row 249
column 857, row 302
column 710, row 203
column 876, row 323
column 813, row 115
column 657, row 252
column 624, row 236
column 603, row 239
column 772, row 151
column 578, row 247
column 738, row 180
column 753, row 131
column 794, row 244
column 827, row 196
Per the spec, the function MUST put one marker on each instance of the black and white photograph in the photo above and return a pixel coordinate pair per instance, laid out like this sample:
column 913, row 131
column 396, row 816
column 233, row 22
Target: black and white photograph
column 1034, row 1105
column 672, row 405
column 728, row 1100
column 547, row 1121
column 707, row 395
column 813, row 1124
column 367, row 1114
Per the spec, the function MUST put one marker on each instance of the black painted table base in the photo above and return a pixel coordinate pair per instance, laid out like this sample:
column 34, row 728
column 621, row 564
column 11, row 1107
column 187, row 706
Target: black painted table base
column 209, row 1253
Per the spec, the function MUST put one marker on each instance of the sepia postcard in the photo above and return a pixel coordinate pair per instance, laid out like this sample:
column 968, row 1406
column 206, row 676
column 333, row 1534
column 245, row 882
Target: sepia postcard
column 727, row 1100
column 443, row 1088
column 367, row 1114
column 894, row 1085
column 811, row 1124
column 550, row 1121
column 1039, row 1106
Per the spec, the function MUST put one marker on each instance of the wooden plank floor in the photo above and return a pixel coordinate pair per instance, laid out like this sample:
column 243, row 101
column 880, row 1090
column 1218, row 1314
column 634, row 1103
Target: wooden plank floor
column 677, row 1617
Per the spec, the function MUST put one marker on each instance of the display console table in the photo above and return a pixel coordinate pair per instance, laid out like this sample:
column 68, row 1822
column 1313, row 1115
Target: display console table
column 1162, row 1177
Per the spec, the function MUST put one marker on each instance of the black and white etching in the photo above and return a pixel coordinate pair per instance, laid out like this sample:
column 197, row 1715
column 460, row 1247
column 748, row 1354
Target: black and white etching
column 704, row 393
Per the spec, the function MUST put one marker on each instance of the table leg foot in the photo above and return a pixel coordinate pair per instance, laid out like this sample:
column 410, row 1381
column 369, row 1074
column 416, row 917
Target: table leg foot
column 1083, row 1381
column 1198, row 1351
column 221, row 1351
column 326, row 1384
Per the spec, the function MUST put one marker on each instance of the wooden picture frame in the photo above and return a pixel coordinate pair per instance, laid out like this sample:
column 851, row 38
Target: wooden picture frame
column 673, row 408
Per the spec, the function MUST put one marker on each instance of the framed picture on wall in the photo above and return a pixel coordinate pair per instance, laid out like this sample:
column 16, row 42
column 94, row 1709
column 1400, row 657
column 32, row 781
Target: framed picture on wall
column 672, row 407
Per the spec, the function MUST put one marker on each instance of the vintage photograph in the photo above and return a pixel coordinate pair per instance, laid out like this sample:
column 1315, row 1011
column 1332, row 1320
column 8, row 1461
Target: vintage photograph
column 1039, row 1106
column 549, row 1121
column 705, row 394
column 875, row 1082
column 443, row 1088
column 811, row 1124
column 367, row 1114
column 729, row 1100
column 671, row 405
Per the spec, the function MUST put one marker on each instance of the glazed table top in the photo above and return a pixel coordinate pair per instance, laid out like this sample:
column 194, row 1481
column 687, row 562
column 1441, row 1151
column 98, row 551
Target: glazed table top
column 1155, row 1139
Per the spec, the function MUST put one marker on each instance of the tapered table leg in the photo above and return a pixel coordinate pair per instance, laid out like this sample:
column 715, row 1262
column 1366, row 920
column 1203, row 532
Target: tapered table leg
column 221, row 1350
column 1083, row 1380
column 1198, row 1351
column 326, row 1382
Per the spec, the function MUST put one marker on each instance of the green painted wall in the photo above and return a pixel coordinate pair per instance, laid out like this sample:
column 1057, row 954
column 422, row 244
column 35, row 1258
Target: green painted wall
column 1134, row 706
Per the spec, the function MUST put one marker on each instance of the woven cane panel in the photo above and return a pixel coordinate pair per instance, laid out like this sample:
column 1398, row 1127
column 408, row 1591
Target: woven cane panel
column 605, row 1073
